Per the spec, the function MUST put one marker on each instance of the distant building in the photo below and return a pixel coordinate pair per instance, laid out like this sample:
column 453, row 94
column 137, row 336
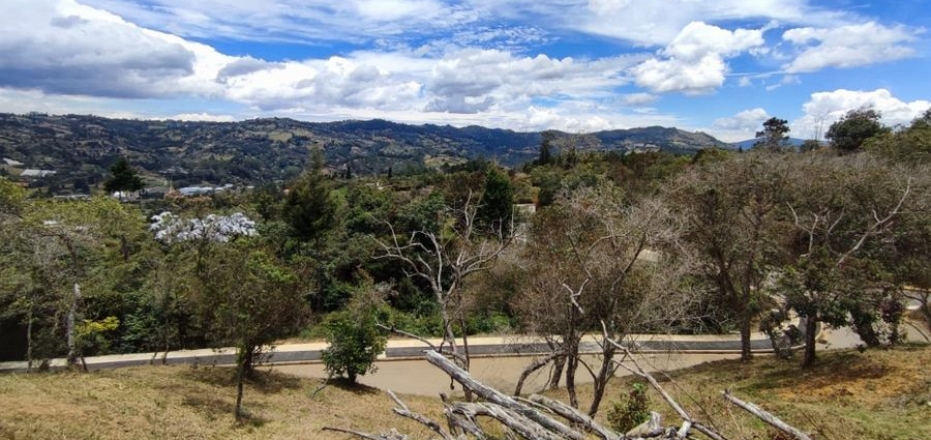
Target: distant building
column 125, row 195
column 12, row 163
column 37, row 173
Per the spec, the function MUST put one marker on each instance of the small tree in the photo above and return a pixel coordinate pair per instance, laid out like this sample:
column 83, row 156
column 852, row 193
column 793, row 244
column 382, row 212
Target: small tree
column 308, row 208
column 775, row 134
column 546, row 147
column 354, row 337
column 497, row 207
column 124, row 179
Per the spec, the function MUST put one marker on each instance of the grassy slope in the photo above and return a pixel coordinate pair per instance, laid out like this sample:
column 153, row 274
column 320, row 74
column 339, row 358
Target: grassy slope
column 178, row 402
column 849, row 395
column 881, row 394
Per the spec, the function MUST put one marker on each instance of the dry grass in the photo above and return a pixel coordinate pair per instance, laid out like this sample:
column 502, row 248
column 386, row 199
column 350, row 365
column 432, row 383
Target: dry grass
column 186, row 403
column 882, row 394
column 877, row 394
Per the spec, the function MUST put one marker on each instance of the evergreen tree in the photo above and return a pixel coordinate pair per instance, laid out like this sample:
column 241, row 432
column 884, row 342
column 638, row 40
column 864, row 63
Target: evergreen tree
column 124, row 178
column 308, row 208
column 546, row 147
column 775, row 134
column 496, row 210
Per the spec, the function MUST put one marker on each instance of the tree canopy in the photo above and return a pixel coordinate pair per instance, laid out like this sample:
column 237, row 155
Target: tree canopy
column 849, row 133
column 123, row 179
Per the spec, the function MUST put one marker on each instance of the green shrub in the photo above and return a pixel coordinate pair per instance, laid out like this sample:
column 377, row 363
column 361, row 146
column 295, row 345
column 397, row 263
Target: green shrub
column 631, row 411
column 355, row 340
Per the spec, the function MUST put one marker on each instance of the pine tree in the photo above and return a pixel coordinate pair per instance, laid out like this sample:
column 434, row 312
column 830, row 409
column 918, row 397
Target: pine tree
column 496, row 211
column 124, row 178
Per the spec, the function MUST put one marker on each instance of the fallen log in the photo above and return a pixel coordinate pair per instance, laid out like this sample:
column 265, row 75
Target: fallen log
column 500, row 399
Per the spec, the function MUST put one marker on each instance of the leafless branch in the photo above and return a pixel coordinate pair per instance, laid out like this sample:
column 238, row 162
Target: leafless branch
column 766, row 416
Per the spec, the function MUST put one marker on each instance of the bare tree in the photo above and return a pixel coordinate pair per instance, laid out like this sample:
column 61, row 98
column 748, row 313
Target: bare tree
column 597, row 257
column 732, row 208
column 445, row 260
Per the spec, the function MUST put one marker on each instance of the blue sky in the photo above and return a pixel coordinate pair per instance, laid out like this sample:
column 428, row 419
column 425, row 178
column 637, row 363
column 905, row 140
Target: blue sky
column 577, row 65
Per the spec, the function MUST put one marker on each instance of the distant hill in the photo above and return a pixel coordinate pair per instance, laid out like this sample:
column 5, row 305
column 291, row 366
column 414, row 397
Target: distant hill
column 80, row 149
column 747, row 144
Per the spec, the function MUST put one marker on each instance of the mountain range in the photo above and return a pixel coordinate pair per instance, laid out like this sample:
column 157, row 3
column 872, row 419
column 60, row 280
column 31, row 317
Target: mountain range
column 80, row 148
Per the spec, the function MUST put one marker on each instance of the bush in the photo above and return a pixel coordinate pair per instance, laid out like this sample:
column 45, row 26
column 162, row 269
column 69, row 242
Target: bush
column 631, row 411
column 355, row 340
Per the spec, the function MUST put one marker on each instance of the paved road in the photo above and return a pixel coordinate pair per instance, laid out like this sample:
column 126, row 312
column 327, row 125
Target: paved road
column 497, row 346
column 494, row 346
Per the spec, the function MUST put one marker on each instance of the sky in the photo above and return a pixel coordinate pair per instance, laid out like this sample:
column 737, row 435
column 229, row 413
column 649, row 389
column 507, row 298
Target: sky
column 721, row 67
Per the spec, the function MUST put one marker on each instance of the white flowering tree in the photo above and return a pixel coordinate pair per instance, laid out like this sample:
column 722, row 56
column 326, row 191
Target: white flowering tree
column 244, row 296
column 169, row 228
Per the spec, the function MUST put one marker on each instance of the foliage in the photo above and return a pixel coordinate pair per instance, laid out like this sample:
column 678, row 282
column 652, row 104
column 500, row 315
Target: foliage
column 496, row 212
column 911, row 145
column 775, row 134
column 849, row 133
column 124, row 178
column 169, row 228
column 355, row 340
column 839, row 219
column 309, row 208
column 733, row 212
column 11, row 198
column 92, row 335
column 631, row 410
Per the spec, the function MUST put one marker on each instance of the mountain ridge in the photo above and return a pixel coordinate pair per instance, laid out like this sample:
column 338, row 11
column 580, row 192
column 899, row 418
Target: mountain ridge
column 189, row 152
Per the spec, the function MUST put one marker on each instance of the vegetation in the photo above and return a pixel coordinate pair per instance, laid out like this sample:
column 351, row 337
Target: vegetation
column 615, row 244
column 123, row 180
column 354, row 338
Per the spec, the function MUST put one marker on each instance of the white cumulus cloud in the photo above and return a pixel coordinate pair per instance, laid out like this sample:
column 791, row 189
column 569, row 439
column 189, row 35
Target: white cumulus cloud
column 741, row 126
column 824, row 108
column 694, row 62
column 847, row 46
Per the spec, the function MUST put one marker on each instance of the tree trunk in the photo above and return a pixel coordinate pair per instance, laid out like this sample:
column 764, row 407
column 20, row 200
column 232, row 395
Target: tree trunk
column 240, row 378
column 572, row 364
column 811, row 328
column 248, row 362
column 558, row 365
column 493, row 396
column 604, row 376
column 29, row 339
column 746, row 353
column 534, row 366
column 70, row 326
column 863, row 325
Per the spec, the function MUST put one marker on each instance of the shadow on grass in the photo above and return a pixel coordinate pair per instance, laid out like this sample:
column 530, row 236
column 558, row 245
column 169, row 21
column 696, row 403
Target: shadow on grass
column 836, row 368
column 217, row 409
column 265, row 382
column 354, row 388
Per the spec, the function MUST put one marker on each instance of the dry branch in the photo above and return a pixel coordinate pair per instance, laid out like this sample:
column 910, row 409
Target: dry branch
column 391, row 435
column 534, row 418
column 403, row 411
column 500, row 399
column 575, row 416
column 766, row 416
column 534, row 366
